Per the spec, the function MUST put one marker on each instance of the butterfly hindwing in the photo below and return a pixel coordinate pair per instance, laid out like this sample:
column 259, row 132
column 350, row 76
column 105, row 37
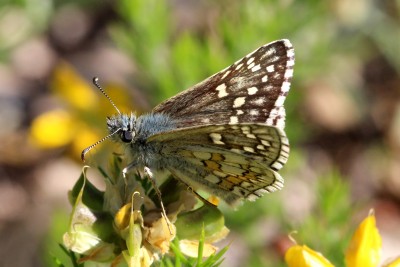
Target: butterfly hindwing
column 258, row 141
column 230, row 161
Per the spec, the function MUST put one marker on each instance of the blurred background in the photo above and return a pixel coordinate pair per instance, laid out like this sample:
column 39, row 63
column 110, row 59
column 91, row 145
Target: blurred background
column 343, row 111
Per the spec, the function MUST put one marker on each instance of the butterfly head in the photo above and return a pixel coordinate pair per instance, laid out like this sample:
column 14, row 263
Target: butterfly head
column 122, row 127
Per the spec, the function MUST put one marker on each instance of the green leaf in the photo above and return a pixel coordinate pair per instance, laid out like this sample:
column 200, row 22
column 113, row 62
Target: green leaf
column 92, row 197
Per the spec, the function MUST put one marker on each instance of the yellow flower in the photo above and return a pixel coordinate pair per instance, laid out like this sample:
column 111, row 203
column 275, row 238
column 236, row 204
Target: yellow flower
column 72, row 88
column 365, row 246
column 122, row 226
column 364, row 250
column 303, row 256
column 85, row 109
column 52, row 129
column 85, row 136
column 394, row 263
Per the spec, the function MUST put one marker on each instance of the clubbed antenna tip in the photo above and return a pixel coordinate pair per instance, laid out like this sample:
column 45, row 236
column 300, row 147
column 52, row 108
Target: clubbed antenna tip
column 86, row 150
column 96, row 83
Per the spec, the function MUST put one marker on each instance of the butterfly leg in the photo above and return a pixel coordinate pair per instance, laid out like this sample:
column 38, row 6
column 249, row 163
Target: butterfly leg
column 149, row 174
column 131, row 166
column 202, row 199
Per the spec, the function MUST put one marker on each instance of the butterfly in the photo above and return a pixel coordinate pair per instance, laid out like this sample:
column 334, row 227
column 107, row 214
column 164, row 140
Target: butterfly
column 224, row 135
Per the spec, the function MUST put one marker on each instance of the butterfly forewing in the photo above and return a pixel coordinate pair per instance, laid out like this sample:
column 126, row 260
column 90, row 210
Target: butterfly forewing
column 251, row 90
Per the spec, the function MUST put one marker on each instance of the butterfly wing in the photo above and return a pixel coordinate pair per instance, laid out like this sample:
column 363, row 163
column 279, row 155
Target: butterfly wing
column 251, row 90
column 230, row 161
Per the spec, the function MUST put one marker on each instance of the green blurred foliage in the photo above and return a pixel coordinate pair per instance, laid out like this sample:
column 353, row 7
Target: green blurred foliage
column 176, row 60
column 173, row 61
column 328, row 229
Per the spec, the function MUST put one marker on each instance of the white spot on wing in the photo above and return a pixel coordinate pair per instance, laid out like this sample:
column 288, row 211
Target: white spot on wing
column 260, row 147
column 290, row 54
column 239, row 66
column 225, row 74
column 264, row 79
column 260, row 192
column 239, row 101
column 233, row 120
column 277, row 165
column 216, row 138
column 251, row 65
column 285, row 86
column 221, row 90
column 248, row 149
column 271, row 68
column 289, row 73
column 252, row 136
column 280, row 123
column 256, row 68
column 252, row 90
column 250, row 60
column 280, row 100
column 265, row 143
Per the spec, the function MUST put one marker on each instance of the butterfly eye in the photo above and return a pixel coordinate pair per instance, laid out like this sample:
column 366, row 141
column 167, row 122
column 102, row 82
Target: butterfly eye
column 126, row 136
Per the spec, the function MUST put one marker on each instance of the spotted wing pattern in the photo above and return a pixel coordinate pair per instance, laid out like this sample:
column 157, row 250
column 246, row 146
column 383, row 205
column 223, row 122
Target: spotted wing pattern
column 230, row 161
column 253, row 89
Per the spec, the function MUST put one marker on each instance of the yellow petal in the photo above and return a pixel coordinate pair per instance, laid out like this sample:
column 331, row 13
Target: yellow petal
column 52, row 129
column 160, row 234
column 303, row 256
column 121, row 219
column 76, row 91
column 213, row 200
column 82, row 140
column 365, row 246
column 395, row 263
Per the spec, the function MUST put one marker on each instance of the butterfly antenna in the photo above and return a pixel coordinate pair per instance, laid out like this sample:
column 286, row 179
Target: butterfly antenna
column 86, row 150
column 96, row 83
